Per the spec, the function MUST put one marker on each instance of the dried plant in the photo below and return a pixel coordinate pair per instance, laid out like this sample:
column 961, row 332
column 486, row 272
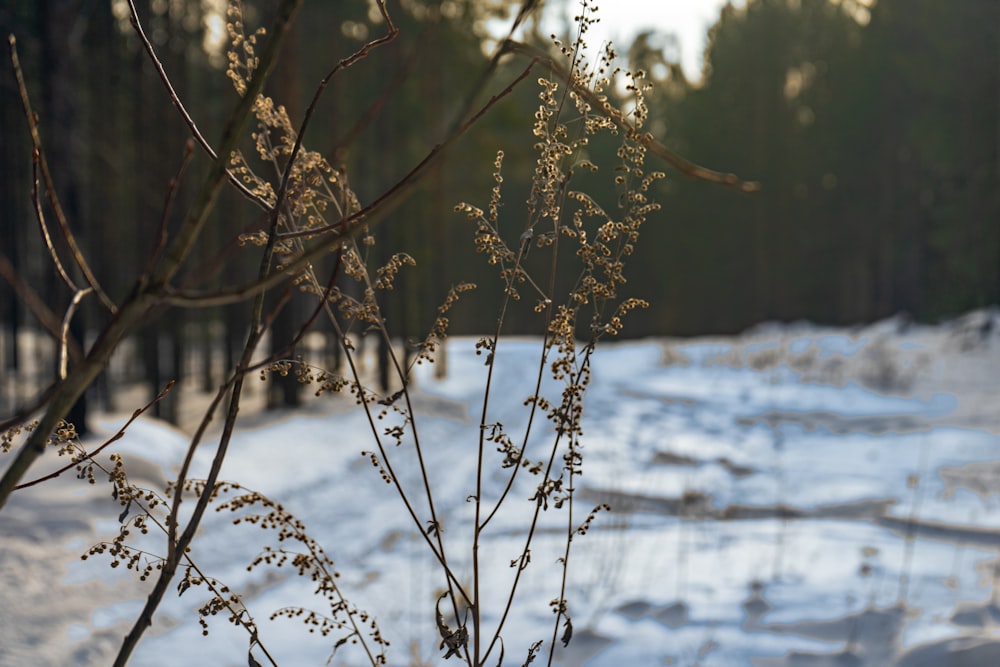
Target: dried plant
column 313, row 213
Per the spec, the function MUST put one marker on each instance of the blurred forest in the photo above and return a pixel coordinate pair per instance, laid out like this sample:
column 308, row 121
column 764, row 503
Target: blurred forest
column 873, row 128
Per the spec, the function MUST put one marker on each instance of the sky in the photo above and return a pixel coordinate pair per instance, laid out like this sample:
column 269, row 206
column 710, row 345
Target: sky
column 621, row 20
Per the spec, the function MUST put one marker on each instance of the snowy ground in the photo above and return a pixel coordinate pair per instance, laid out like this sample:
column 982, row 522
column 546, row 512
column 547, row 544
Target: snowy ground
column 794, row 496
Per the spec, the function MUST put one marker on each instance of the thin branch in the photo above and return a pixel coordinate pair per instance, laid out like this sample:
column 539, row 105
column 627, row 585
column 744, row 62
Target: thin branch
column 398, row 192
column 601, row 105
column 23, row 413
column 117, row 436
column 175, row 549
column 168, row 203
column 306, row 326
column 192, row 126
column 43, row 226
column 190, row 230
column 50, row 188
column 358, row 55
column 368, row 116
column 394, row 478
column 64, row 333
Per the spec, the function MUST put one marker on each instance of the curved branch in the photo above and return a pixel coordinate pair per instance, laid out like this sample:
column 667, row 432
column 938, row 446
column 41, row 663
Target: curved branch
column 50, row 188
column 605, row 108
column 188, row 120
column 64, row 330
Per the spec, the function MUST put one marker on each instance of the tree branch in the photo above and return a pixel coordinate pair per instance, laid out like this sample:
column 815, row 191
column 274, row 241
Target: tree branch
column 188, row 120
column 128, row 317
column 601, row 105
column 50, row 188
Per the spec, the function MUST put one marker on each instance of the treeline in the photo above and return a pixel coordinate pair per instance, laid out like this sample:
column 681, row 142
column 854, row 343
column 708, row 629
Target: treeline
column 875, row 136
column 873, row 131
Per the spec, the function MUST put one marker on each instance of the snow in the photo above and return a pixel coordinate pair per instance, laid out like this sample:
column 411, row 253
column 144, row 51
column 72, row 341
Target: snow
column 797, row 495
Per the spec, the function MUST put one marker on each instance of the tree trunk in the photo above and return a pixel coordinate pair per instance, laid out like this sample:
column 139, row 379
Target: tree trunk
column 61, row 28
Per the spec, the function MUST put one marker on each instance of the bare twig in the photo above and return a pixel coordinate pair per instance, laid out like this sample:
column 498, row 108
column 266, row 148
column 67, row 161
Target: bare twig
column 188, row 120
column 369, row 115
column 24, row 412
column 321, row 304
column 43, row 227
column 64, row 332
column 168, row 203
column 391, row 32
column 39, row 157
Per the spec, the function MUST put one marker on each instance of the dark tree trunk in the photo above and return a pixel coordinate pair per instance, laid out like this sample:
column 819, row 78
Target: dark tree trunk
column 61, row 28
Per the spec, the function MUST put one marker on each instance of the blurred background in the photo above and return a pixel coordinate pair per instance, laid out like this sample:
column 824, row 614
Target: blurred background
column 873, row 127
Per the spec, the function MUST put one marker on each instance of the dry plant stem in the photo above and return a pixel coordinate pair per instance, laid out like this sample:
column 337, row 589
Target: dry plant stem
column 128, row 317
column 543, row 358
column 524, row 446
column 39, row 157
column 426, row 480
column 603, row 107
column 531, row 534
column 570, row 531
column 117, row 436
column 450, row 575
column 560, row 612
column 192, row 126
column 479, row 524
